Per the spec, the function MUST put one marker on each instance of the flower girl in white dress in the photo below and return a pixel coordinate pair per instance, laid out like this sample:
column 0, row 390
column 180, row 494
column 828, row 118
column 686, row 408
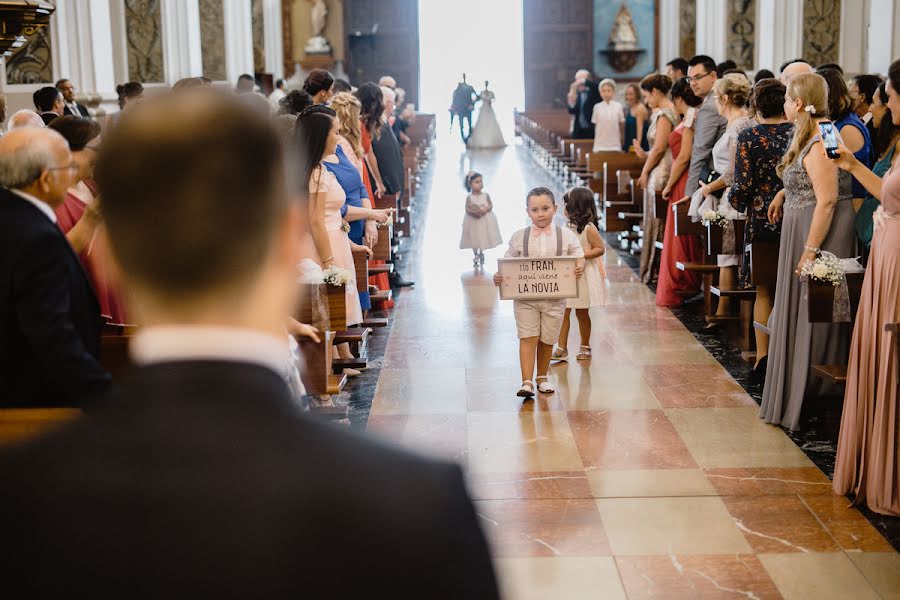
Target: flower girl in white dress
column 480, row 230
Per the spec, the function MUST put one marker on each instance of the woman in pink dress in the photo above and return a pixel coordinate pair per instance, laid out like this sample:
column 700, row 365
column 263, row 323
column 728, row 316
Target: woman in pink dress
column 683, row 248
column 328, row 245
column 867, row 464
column 79, row 217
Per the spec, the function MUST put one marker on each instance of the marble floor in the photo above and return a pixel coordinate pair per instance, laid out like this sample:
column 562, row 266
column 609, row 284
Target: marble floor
column 648, row 473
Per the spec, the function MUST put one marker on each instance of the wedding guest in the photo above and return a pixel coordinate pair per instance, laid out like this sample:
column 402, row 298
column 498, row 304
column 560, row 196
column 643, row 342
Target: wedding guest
column 756, row 182
column 25, row 118
column 277, row 94
column 318, row 85
column 608, row 120
column 245, row 84
column 637, row 120
column 72, row 107
column 867, row 465
column 709, row 124
column 582, row 97
column 854, row 133
column 763, row 74
column 49, row 103
column 886, row 142
column 294, row 102
column 817, row 216
column 200, row 477
column 674, row 284
column 862, row 91
column 792, row 69
column 833, row 66
column 341, row 85
column 130, row 94
column 676, row 69
column 724, row 67
column 657, row 164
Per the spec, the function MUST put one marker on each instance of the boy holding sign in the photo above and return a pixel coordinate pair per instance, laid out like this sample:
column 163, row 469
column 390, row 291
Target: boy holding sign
column 539, row 318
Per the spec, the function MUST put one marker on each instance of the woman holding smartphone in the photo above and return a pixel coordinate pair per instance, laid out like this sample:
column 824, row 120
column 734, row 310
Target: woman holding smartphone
column 818, row 216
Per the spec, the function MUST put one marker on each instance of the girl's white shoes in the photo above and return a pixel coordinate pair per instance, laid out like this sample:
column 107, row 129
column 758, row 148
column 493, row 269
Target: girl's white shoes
column 527, row 390
column 544, row 386
column 560, row 354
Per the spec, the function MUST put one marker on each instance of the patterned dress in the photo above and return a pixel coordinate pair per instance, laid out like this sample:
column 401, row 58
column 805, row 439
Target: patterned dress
column 759, row 150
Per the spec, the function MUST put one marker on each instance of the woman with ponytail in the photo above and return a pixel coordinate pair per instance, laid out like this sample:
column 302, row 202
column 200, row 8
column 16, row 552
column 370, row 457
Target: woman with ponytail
column 817, row 217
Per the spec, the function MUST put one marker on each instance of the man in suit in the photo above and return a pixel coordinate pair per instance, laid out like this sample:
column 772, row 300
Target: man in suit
column 200, row 476
column 67, row 89
column 461, row 106
column 48, row 102
column 49, row 316
column 583, row 94
column 709, row 125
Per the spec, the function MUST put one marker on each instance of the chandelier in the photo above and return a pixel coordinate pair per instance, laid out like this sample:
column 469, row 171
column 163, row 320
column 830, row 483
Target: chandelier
column 20, row 19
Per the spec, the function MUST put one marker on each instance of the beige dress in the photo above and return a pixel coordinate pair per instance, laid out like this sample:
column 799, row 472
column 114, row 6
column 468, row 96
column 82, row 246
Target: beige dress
column 867, row 462
column 592, row 285
column 655, row 182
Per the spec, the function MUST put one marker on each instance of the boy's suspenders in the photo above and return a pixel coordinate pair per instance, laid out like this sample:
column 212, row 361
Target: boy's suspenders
column 528, row 236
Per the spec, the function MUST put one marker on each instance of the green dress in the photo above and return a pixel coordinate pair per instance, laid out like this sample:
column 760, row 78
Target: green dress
column 871, row 203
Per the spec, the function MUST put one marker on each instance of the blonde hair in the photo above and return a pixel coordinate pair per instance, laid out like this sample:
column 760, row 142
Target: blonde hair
column 812, row 90
column 735, row 86
column 347, row 108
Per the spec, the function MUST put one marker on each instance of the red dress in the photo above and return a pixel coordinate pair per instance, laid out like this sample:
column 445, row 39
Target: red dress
column 381, row 280
column 93, row 257
column 683, row 248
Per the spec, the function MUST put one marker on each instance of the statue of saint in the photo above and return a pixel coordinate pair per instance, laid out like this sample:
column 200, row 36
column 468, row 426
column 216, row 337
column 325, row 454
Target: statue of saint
column 317, row 44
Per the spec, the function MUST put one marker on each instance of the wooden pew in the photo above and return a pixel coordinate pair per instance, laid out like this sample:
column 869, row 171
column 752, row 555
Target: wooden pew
column 314, row 307
column 684, row 225
column 820, row 305
column 609, row 172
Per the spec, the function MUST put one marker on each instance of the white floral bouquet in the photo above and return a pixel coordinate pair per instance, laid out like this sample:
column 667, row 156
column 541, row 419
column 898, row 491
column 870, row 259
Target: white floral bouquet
column 334, row 275
column 826, row 268
column 714, row 217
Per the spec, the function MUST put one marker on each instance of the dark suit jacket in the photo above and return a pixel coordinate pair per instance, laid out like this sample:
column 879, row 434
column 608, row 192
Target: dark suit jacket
column 203, row 480
column 47, row 117
column 49, row 316
column 463, row 102
column 82, row 109
column 584, row 108
column 390, row 160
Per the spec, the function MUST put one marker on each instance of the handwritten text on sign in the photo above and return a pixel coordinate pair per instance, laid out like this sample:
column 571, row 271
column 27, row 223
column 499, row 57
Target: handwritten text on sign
column 537, row 278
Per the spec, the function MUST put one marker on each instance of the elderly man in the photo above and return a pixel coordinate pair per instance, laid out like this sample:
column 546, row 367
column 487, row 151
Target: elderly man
column 49, row 316
column 48, row 101
column 25, row 118
column 76, row 109
column 793, row 69
column 583, row 94
column 388, row 82
column 709, row 125
column 200, row 477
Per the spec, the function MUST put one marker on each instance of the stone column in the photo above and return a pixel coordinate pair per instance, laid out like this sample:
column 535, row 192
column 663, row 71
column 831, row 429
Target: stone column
column 86, row 49
column 238, row 39
column 669, row 32
column 879, row 53
column 273, row 38
column 779, row 33
column 181, row 39
column 712, row 20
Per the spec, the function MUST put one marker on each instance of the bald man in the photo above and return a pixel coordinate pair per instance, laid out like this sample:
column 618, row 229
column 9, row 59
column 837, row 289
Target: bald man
column 388, row 82
column 49, row 316
column 794, row 69
column 25, row 118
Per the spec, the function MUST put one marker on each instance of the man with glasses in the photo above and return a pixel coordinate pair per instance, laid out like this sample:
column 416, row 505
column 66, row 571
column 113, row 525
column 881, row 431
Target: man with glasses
column 49, row 316
column 708, row 124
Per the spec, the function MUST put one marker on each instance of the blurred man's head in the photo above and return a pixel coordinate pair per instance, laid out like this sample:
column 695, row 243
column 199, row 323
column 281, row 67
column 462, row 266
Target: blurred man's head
column 67, row 89
column 388, row 81
column 792, row 70
column 245, row 84
column 582, row 75
column 199, row 217
column 37, row 161
column 48, row 99
column 677, row 69
column 25, row 118
column 390, row 99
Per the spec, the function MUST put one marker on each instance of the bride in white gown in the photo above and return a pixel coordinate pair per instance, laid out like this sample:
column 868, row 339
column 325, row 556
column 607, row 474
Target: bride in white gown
column 486, row 133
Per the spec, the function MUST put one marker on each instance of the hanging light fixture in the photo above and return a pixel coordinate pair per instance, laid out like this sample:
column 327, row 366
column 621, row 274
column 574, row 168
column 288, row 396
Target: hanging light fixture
column 20, row 19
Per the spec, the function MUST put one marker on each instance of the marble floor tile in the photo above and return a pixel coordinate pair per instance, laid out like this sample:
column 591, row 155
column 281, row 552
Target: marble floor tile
column 494, row 390
column 650, row 526
column 546, row 485
column 565, row 527
column 427, row 353
column 849, row 528
column 802, row 576
column 777, row 524
column 641, row 483
column 648, row 355
column 521, row 443
column 629, row 439
column 701, row 386
column 881, row 569
column 418, row 391
column 769, row 481
column 599, row 387
column 696, row 577
column 545, row 578
column 440, row 436
column 735, row 437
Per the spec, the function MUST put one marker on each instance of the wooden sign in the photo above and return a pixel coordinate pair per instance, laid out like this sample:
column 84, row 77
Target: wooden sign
column 550, row 278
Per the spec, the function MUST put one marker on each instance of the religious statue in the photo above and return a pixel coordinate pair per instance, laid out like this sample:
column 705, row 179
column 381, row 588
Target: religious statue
column 317, row 44
column 622, row 51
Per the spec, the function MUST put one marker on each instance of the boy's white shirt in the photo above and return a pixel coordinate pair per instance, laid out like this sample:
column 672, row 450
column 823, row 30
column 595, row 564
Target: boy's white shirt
column 544, row 245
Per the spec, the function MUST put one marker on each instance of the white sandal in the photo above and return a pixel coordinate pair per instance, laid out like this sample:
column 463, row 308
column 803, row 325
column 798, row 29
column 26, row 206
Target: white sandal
column 584, row 353
column 560, row 354
column 544, row 386
column 527, row 389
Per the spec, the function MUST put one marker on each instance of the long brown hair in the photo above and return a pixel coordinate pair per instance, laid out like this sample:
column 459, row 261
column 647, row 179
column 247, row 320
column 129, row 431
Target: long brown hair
column 812, row 90
column 581, row 208
column 347, row 108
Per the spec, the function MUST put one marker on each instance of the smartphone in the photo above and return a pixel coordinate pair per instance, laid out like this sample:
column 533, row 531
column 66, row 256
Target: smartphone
column 829, row 138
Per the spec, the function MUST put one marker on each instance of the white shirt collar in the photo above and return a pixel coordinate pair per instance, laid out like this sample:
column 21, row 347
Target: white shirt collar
column 40, row 204
column 174, row 343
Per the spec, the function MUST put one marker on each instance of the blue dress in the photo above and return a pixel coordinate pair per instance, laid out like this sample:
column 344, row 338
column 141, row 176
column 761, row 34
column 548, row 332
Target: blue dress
column 351, row 182
column 631, row 131
column 865, row 155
